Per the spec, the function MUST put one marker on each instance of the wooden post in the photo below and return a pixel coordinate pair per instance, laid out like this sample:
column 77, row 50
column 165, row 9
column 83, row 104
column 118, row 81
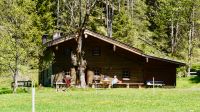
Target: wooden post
column 147, row 59
column 153, row 86
column 127, row 86
column 153, row 82
column 33, row 97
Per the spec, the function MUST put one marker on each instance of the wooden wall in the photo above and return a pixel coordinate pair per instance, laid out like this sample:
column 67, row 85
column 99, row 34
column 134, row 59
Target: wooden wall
column 161, row 71
column 110, row 62
column 113, row 61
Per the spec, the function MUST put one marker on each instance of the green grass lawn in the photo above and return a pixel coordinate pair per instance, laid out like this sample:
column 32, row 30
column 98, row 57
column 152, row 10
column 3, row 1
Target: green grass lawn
column 180, row 99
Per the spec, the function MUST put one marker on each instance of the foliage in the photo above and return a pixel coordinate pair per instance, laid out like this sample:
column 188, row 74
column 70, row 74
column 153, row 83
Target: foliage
column 18, row 35
column 196, row 67
column 171, row 22
column 20, row 38
column 45, row 10
column 133, row 29
column 158, row 27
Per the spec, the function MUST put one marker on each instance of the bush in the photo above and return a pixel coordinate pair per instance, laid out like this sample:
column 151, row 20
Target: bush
column 181, row 72
column 9, row 90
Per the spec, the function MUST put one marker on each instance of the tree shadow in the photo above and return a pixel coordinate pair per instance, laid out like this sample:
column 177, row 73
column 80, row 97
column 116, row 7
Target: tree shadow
column 195, row 79
column 5, row 91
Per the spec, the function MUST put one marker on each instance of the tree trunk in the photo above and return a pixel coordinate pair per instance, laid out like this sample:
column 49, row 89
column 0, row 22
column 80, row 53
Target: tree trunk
column 128, row 6
column 191, row 35
column 189, row 52
column 111, row 17
column 81, row 64
column 172, row 35
column 16, row 70
column 107, row 18
column 72, row 15
column 58, row 11
column 82, row 74
column 176, row 36
column 80, row 61
column 110, row 13
column 132, row 9
column 80, row 13
column 15, row 79
column 119, row 5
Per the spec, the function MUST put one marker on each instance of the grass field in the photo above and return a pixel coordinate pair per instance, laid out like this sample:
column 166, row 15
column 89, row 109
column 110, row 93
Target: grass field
column 180, row 99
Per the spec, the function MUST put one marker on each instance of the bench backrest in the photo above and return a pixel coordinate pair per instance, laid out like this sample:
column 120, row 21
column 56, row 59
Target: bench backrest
column 23, row 83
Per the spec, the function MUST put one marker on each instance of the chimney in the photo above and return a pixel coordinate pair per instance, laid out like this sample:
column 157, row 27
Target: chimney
column 56, row 35
column 44, row 38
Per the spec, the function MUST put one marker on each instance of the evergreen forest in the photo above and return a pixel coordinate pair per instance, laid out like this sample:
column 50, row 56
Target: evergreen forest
column 163, row 28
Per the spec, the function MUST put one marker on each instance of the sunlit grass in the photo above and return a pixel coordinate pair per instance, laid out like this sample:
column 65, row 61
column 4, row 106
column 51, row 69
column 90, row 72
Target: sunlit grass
column 107, row 100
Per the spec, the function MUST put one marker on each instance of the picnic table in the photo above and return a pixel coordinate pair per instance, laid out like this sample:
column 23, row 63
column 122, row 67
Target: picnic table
column 103, row 84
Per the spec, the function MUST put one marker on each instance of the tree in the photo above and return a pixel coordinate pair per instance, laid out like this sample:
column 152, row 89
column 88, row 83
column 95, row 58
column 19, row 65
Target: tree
column 83, row 22
column 46, row 20
column 176, row 27
column 131, row 24
column 193, row 35
column 20, row 39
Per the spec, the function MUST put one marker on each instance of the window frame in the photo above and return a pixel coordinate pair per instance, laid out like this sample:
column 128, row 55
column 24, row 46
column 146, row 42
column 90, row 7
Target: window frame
column 97, row 71
column 126, row 74
column 96, row 51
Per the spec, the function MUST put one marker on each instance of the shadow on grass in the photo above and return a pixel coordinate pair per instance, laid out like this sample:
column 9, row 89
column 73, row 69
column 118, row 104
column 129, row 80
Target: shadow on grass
column 195, row 79
column 5, row 90
column 9, row 90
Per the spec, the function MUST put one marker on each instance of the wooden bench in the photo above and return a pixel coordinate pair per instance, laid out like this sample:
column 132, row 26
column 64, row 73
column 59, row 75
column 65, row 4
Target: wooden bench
column 22, row 84
column 155, row 83
column 127, row 85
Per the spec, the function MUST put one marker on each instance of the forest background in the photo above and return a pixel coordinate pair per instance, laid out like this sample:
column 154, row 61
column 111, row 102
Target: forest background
column 164, row 28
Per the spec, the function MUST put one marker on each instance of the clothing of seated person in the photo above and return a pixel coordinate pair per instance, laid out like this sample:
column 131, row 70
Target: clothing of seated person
column 115, row 80
column 67, row 80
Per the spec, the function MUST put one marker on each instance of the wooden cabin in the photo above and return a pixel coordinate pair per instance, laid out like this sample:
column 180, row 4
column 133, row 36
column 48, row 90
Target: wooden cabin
column 109, row 57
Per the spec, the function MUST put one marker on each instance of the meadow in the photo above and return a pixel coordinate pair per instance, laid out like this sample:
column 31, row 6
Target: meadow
column 184, row 98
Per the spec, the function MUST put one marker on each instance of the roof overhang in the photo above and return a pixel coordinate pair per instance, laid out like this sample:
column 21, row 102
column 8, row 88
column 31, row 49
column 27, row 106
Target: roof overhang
column 166, row 60
column 59, row 40
column 114, row 42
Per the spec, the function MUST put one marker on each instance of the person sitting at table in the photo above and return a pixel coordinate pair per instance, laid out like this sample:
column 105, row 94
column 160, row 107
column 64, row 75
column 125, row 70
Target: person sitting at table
column 115, row 80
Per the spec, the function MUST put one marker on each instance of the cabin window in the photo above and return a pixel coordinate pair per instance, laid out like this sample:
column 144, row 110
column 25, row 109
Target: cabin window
column 67, row 51
column 67, row 73
column 126, row 74
column 96, row 51
column 97, row 72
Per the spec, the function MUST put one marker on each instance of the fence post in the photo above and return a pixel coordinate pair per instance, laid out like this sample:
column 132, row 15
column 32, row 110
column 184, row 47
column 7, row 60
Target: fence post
column 153, row 82
column 33, row 97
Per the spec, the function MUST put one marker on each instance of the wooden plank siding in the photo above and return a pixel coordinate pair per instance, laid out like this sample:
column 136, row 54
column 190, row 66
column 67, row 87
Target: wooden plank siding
column 110, row 62
column 161, row 71
column 115, row 57
column 63, row 56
